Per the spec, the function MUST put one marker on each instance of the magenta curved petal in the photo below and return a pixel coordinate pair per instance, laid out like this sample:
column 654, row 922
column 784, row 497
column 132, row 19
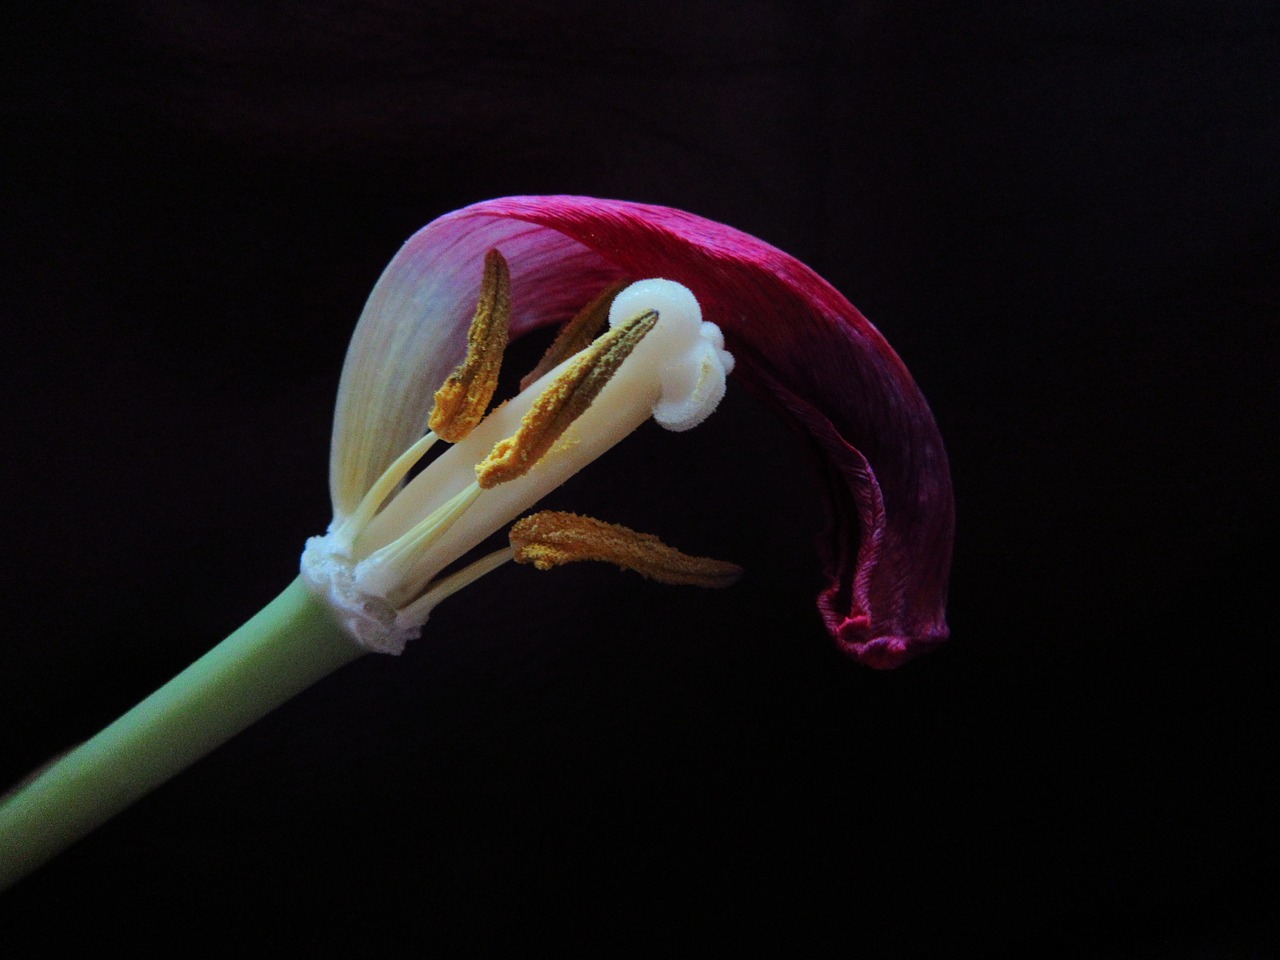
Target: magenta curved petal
column 804, row 348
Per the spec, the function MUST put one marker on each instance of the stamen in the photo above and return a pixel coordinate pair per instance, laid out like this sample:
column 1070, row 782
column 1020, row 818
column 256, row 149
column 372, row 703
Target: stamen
column 398, row 568
column 346, row 534
column 551, row 538
column 563, row 402
column 464, row 397
column 417, row 612
column 577, row 334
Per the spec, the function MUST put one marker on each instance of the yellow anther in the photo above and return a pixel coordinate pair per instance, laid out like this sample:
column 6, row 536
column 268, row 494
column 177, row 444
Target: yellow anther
column 463, row 399
column 551, row 538
column 577, row 334
column 569, row 395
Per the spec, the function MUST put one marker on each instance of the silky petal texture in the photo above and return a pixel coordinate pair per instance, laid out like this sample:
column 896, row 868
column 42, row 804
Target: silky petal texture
column 799, row 344
column 413, row 331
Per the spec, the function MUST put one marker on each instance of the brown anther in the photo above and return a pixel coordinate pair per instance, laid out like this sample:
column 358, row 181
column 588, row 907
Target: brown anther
column 551, row 538
column 566, row 399
column 578, row 333
column 464, row 397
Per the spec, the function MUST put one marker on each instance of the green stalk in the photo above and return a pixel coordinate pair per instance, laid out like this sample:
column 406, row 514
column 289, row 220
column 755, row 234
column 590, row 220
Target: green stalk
column 289, row 645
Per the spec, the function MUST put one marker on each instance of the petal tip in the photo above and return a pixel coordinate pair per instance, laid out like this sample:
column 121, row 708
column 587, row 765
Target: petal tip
column 885, row 651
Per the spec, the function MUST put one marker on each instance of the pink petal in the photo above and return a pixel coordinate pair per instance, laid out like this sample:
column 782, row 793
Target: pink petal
column 801, row 345
column 798, row 343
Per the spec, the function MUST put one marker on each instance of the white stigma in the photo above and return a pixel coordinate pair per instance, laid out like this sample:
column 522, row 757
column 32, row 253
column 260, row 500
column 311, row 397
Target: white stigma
column 693, row 375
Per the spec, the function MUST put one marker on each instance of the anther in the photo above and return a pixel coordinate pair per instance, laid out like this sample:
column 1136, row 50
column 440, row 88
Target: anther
column 569, row 395
column 577, row 334
column 551, row 538
column 462, row 400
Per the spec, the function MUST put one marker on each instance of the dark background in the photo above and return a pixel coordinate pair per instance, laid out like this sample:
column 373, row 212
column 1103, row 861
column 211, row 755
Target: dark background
column 1064, row 217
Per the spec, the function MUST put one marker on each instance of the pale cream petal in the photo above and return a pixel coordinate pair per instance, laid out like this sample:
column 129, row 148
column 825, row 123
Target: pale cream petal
column 412, row 332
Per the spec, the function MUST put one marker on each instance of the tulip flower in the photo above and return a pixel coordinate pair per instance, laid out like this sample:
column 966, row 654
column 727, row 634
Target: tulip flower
column 658, row 308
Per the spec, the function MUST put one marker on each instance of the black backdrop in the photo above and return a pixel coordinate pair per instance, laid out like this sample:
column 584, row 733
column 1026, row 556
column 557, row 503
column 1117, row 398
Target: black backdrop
column 1064, row 217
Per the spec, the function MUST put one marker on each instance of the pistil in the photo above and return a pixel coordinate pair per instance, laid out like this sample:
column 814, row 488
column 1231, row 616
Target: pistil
column 382, row 567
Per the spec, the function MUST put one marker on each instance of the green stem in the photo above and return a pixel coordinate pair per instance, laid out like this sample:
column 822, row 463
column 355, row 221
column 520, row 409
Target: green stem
column 289, row 645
